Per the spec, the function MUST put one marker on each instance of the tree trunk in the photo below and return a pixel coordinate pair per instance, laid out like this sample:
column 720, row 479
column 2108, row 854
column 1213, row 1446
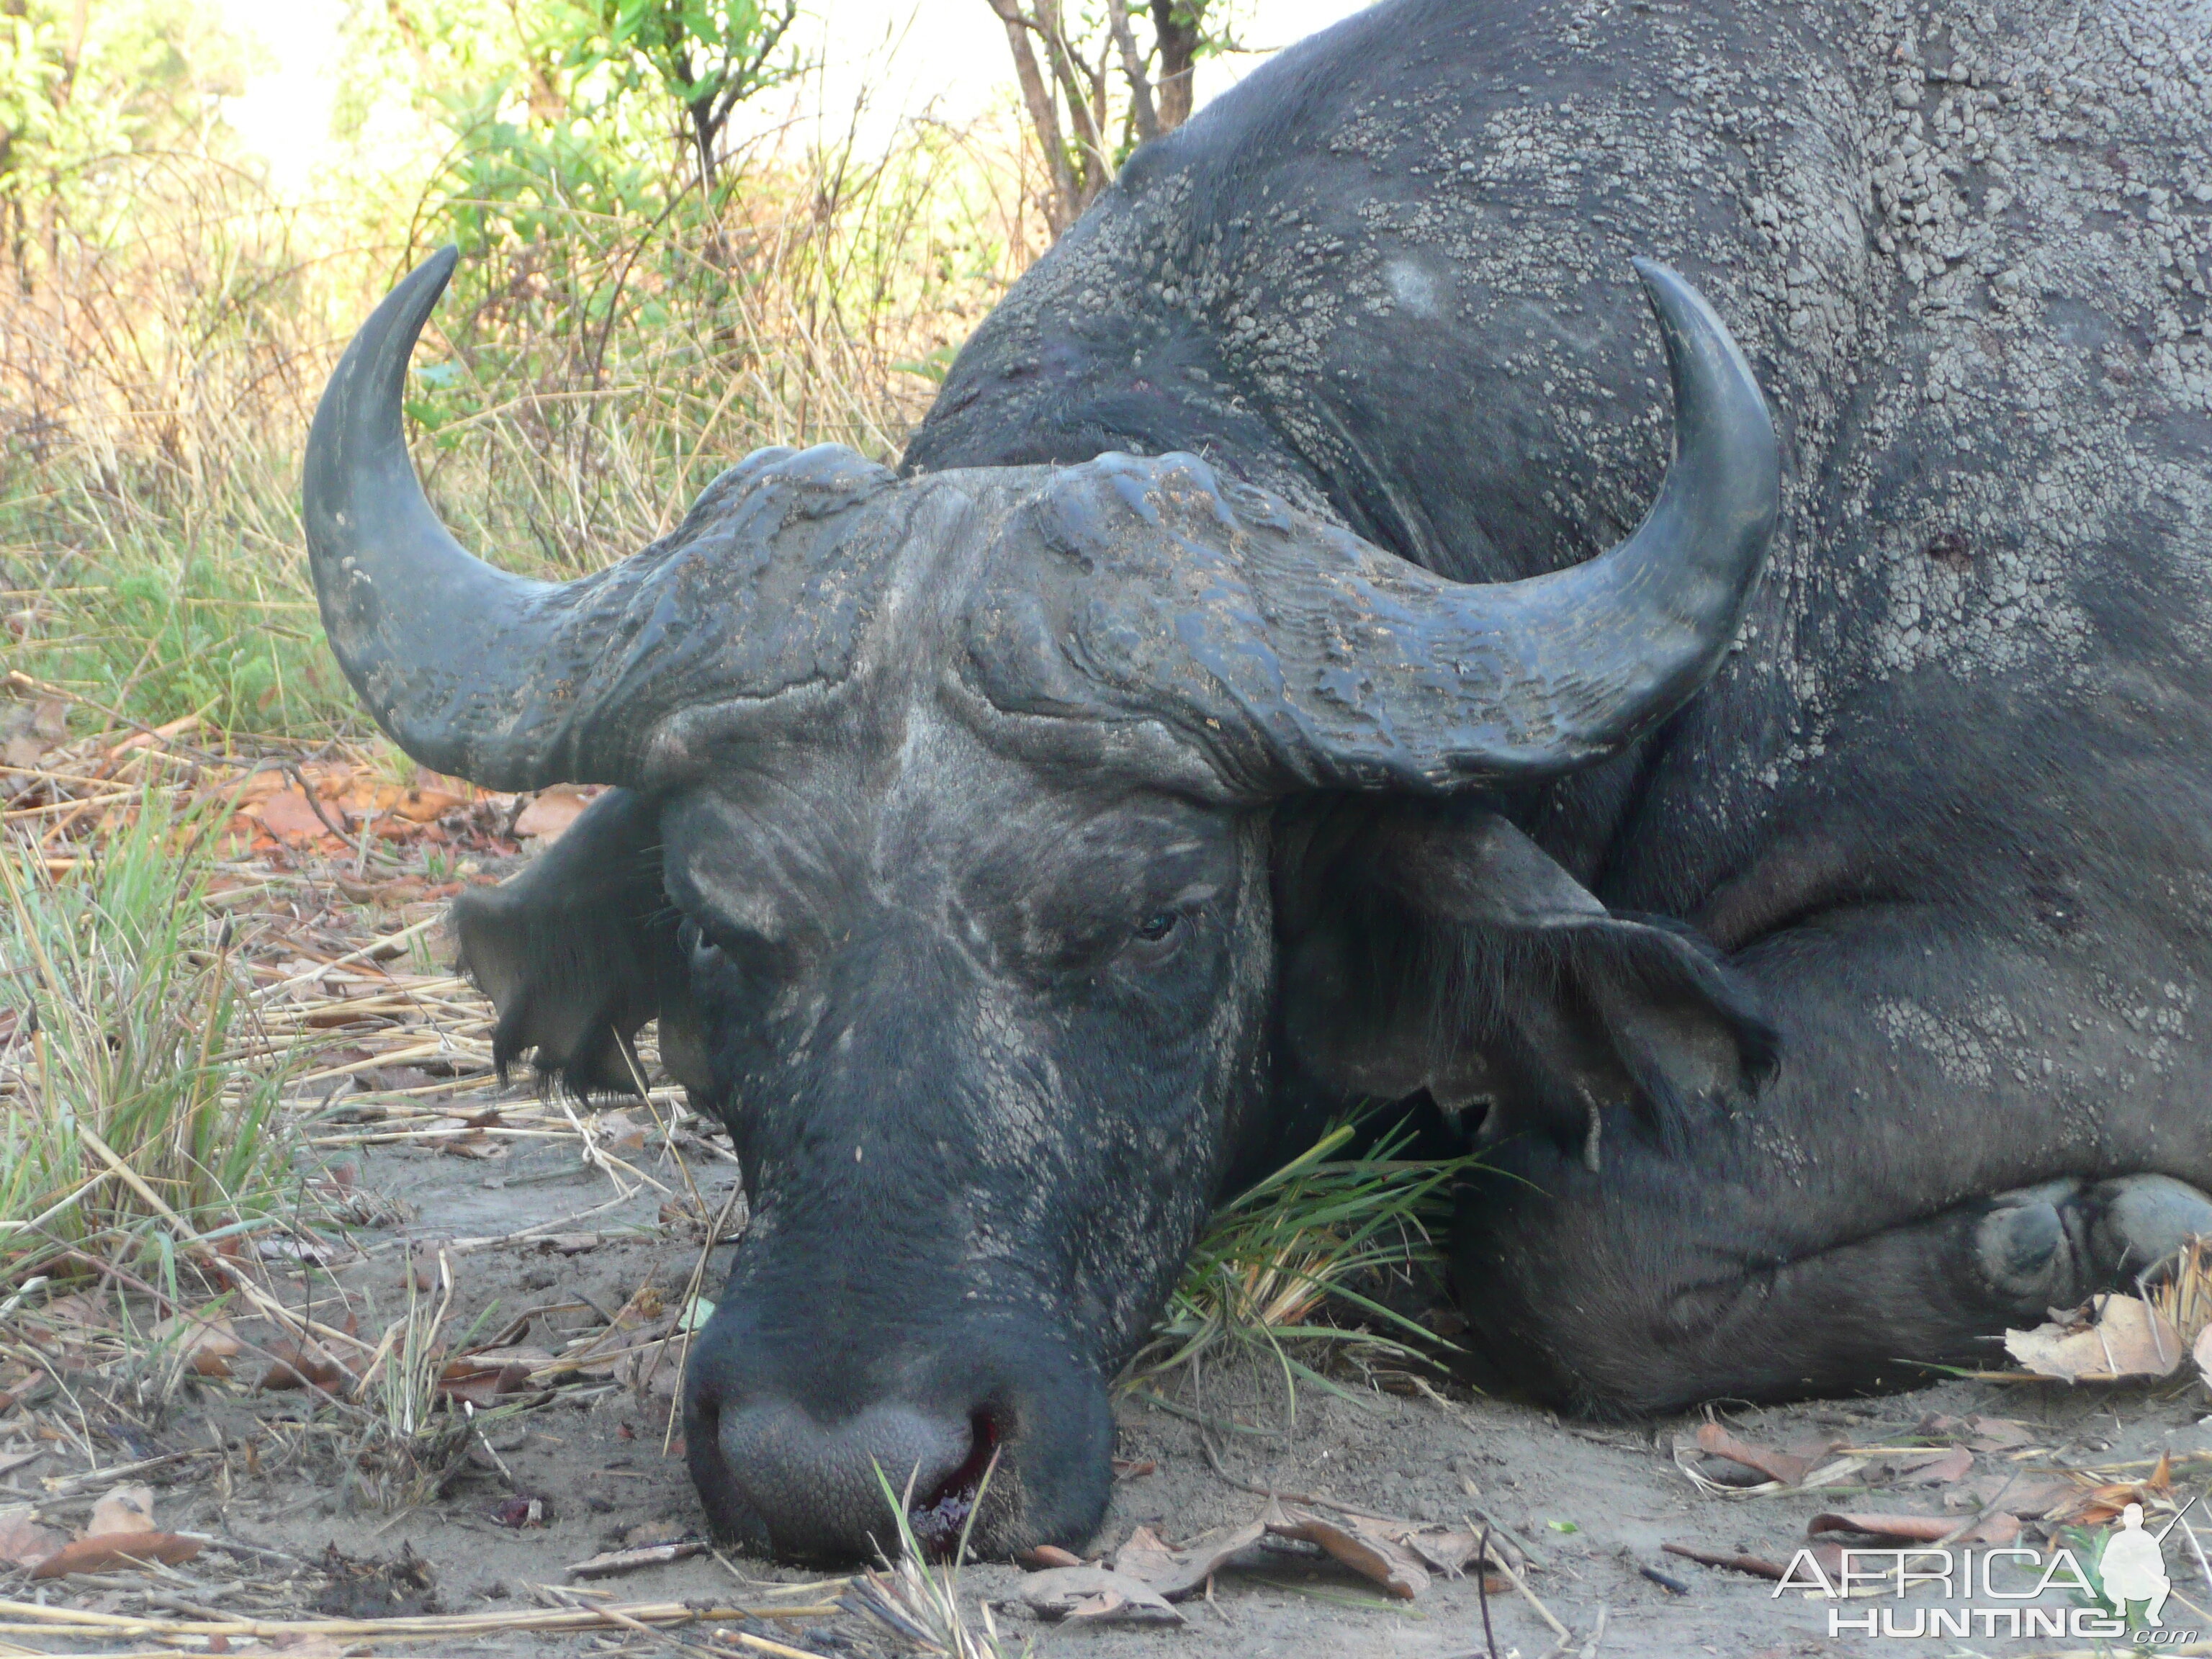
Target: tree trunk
column 1061, row 207
column 703, row 129
column 1132, row 66
column 1176, row 23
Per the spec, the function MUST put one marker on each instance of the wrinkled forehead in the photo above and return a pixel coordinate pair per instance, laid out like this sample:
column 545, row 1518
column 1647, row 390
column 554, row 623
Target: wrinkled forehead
column 897, row 797
column 952, row 640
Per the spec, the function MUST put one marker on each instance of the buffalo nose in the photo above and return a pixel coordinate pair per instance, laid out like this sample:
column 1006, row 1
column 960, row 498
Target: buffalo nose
column 821, row 1487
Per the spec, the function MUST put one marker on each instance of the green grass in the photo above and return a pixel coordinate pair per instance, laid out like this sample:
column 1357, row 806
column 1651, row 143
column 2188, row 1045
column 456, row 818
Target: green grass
column 1286, row 1269
column 154, row 631
column 134, row 1005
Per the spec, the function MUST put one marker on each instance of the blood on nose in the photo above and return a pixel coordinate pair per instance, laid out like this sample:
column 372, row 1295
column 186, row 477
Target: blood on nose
column 938, row 1517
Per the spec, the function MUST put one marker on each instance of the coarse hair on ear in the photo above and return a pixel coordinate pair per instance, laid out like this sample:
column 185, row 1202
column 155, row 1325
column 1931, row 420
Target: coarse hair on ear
column 580, row 951
column 1435, row 947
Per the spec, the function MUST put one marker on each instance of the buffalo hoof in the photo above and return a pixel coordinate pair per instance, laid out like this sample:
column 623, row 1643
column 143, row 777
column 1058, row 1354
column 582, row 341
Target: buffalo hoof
column 2028, row 1245
column 2142, row 1221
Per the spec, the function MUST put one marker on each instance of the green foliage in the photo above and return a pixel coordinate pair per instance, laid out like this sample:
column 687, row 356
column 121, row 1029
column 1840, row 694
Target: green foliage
column 82, row 85
column 136, row 1013
column 1320, row 1230
column 156, row 626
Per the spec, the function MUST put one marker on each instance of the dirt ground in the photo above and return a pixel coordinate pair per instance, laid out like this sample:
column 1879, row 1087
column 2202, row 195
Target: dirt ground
column 1592, row 1505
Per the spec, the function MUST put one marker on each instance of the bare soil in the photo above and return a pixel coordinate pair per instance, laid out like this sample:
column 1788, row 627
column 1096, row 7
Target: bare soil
column 1592, row 1503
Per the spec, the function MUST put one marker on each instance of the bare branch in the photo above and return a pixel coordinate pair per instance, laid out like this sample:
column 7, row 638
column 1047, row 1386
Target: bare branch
column 1061, row 208
column 1133, row 65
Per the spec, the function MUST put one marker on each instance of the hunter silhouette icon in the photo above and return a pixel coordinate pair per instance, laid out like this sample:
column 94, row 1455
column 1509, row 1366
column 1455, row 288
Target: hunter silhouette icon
column 2134, row 1568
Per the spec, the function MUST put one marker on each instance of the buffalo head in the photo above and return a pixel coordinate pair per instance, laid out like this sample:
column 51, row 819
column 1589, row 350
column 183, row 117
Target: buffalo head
column 957, row 849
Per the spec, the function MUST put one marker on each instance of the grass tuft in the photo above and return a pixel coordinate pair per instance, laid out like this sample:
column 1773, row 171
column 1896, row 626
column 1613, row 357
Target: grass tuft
column 114, row 1089
column 1288, row 1268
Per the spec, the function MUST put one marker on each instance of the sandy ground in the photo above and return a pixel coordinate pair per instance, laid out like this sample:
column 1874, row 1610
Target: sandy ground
column 1592, row 1503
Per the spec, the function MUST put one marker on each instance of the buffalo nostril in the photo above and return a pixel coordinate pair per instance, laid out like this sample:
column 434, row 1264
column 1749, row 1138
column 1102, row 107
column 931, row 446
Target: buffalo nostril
column 941, row 1516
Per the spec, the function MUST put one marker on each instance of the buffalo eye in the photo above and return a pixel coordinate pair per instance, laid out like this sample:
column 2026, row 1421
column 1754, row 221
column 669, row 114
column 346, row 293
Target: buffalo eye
column 1159, row 929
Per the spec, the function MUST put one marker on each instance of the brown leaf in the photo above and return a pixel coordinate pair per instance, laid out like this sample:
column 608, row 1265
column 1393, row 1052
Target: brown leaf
column 1757, row 1566
column 104, row 1552
column 122, row 1508
column 23, row 1541
column 1936, row 1468
column 652, row 1555
column 480, row 1384
column 2122, row 1337
column 205, row 1342
column 292, row 1367
column 1782, row 1466
column 421, row 806
column 1999, row 1528
column 288, row 815
column 1380, row 1550
column 1048, row 1555
column 1094, row 1592
column 548, row 816
column 1175, row 1573
column 619, row 1131
column 2094, row 1506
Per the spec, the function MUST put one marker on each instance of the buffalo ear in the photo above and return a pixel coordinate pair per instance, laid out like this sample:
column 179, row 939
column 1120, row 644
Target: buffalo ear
column 1440, row 948
column 580, row 951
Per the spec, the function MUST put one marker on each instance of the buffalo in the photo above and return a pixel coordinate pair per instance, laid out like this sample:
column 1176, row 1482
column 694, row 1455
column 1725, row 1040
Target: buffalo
column 1751, row 776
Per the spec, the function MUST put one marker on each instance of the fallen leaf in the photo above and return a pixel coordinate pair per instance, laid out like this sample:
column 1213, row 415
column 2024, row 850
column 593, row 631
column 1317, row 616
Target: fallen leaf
column 2112, row 1339
column 1934, row 1468
column 1048, row 1555
column 1998, row 1434
column 1367, row 1547
column 1757, row 1566
column 79, row 1311
column 104, row 1552
column 1134, row 1469
column 652, row 1555
column 23, row 1541
column 1097, row 1594
column 1998, row 1529
column 547, row 818
column 204, row 1342
column 419, row 805
column 121, row 1509
column 1789, row 1469
column 2094, row 1506
column 619, row 1131
column 1177, row 1572
column 288, row 815
column 291, row 1367
column 479, row 1384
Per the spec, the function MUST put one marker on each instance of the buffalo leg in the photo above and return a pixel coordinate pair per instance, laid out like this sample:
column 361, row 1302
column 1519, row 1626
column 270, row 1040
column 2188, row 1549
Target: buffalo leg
column 1903, row 1192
